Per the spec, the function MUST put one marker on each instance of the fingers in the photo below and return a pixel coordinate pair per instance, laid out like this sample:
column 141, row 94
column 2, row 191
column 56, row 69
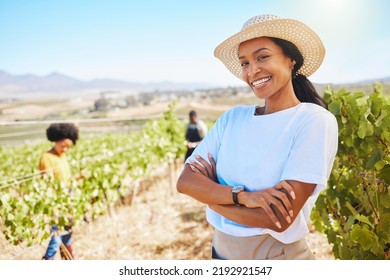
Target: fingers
column 213, row 165
column 197, row 168
column 273, row 205
column 285, row 189
column 272, row 216
column 262, row 199
column 193, row 168
column 284, row 201
column 272, row 201
column 286, row 186
column 281, row 208
column 206, row 165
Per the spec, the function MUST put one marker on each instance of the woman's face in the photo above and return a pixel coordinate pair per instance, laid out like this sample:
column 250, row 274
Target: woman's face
column 63, row 145
column 265, row 68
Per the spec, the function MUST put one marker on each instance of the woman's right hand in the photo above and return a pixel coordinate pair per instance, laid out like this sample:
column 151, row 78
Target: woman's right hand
column 277, row 197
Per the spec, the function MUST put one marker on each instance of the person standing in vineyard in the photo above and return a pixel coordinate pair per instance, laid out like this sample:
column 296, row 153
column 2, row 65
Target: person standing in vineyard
column 260, row 169
column 54, row 163
column 195, row 132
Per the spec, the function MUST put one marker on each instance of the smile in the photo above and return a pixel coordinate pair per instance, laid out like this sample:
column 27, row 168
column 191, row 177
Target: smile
column 260, row 82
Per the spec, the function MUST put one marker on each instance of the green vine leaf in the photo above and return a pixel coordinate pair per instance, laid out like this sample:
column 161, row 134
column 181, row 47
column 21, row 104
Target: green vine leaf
column 354, row 211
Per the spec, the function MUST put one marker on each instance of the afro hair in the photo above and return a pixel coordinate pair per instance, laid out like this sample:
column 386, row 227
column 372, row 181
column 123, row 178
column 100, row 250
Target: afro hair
column 60, row 131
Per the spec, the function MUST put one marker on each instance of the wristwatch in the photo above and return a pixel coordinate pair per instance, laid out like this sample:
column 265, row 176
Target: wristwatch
column 235, row 191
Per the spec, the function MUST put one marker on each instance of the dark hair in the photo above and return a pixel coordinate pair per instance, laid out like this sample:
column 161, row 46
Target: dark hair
column 303, row 88
column 192, row 113
column 60, row 131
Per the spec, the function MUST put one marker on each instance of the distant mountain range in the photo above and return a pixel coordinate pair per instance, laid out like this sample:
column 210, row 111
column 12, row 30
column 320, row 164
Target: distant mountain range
column 59, row 85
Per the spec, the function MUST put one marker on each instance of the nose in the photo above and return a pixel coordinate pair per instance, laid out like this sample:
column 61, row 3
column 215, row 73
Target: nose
column 253, row 69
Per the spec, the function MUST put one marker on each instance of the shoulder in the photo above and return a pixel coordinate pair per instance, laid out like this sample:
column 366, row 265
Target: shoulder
column 45, row 160
column 232, row 115
column 315, row 121
column 315, row 114
column 45, row 156
column 236, row 113
column 239, row 111
column 200, row 122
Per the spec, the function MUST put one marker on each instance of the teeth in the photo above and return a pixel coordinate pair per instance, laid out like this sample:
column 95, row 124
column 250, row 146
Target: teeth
column 261, row 81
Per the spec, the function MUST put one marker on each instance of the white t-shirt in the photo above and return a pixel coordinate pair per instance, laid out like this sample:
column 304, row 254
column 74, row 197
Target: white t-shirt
column 259, row 151
column 200, row 126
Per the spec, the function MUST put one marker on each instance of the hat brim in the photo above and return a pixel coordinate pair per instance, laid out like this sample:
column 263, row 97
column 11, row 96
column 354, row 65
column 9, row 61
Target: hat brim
column 304, row 38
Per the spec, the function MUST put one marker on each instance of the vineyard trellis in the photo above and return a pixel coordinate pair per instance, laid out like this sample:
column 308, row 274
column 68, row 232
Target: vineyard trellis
column 110, row 165
column 354, row 211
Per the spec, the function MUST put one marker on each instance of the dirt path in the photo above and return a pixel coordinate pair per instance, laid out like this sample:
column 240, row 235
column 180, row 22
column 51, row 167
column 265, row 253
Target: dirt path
column 161, row 224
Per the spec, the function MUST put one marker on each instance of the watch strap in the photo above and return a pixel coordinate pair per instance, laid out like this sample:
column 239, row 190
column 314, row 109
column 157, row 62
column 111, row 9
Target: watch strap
column 235, row 198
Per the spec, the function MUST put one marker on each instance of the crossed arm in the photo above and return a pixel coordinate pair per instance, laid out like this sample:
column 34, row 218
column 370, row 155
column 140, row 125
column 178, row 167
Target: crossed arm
column 274, row 208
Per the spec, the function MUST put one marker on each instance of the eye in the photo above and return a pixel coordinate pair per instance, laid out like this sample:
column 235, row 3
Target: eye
column 262, row 57
column 244, row 63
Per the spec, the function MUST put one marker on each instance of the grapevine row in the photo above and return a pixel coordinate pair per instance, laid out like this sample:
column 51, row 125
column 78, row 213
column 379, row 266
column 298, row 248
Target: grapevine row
column 109, row 164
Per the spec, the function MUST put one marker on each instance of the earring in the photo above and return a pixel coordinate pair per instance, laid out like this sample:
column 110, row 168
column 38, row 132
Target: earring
column 295, row 74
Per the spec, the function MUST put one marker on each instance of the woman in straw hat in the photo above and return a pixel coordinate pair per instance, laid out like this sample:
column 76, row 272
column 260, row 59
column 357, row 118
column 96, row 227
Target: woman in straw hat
column 260, row 169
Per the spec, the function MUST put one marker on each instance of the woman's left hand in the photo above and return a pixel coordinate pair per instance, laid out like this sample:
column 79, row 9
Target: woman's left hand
column 207, row 169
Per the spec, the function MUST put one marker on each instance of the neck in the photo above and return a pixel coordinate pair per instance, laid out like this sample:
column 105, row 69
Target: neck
column 54, row 152
column 281, row 100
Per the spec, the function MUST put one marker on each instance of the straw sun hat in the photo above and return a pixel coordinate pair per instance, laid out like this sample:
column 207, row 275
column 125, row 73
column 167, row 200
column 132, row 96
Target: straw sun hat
column 305, row 39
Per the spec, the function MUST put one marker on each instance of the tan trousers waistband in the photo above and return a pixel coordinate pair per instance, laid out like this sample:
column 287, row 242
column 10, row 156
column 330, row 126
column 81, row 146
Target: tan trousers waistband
column 259, row 247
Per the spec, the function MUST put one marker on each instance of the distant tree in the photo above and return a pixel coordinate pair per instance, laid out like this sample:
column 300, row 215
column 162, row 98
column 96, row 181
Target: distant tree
column 233, row 90
column 146, row 98
column 102, row 104
column 131, row 101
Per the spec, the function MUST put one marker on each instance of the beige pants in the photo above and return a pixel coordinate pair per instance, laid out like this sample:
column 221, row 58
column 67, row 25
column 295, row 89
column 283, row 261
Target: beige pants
column 259, row 247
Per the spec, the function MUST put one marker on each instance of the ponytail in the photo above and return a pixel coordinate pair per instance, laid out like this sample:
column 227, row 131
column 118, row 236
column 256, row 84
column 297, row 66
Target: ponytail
column 303, row 88
column 305, row 91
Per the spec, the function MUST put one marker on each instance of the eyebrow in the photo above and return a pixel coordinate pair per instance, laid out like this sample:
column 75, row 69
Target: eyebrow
column 255, row 52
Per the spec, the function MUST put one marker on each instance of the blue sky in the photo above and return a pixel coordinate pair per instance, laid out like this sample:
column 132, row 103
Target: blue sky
column 174, row 40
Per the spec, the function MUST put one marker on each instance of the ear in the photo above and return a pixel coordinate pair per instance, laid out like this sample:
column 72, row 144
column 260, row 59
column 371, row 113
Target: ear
column 293, row 62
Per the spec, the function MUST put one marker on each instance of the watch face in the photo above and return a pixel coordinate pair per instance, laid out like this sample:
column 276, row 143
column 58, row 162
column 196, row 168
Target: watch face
column 237, row 189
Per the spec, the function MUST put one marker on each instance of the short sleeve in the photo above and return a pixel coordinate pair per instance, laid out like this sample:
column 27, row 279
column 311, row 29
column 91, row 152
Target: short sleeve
column 212, row 141
column 44, row 163
column 313, row 151
column 202, row 129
